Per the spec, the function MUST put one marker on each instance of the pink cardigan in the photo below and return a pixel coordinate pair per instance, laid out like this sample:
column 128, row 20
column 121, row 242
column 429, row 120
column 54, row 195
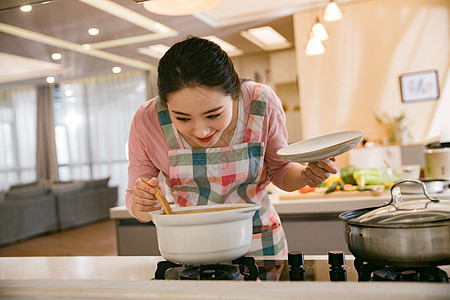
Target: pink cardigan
column 148, row 147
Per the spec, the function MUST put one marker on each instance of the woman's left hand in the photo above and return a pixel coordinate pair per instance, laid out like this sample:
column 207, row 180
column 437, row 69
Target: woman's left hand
column 314, row 174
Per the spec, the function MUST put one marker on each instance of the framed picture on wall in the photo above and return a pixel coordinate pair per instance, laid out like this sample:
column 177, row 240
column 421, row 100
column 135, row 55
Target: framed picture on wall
column 419, row 86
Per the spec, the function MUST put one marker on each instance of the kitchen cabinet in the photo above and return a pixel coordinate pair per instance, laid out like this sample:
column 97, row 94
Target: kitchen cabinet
column 136, row 238
column 283, row 67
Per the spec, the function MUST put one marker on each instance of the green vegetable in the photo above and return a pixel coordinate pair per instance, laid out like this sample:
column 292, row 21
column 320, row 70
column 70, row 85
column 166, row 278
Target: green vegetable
column 332, row 188
column 368, row 176
column 347, row 174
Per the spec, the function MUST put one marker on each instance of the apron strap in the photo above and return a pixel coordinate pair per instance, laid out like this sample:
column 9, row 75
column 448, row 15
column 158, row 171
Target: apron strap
column 170, row 132
column 257, row 112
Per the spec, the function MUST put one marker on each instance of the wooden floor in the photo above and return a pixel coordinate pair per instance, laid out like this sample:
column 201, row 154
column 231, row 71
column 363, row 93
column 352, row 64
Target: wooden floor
column 98, row 239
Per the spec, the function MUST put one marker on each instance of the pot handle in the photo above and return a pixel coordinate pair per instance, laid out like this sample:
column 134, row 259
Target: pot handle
column 397, row 195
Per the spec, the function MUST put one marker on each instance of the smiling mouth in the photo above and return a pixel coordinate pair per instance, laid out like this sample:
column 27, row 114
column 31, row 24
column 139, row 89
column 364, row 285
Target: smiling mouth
column 207, row 139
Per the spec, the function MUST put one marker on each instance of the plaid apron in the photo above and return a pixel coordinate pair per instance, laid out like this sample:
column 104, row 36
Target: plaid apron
column 209, row 176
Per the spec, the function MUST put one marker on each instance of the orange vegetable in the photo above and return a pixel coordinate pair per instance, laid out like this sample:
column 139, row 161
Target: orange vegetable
column 306, row 189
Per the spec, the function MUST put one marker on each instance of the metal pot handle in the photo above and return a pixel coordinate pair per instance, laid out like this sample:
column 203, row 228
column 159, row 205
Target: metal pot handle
column 397, row 195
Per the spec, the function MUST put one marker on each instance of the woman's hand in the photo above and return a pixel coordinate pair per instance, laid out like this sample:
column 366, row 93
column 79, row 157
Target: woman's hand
column 143, row 199
column 317, row 172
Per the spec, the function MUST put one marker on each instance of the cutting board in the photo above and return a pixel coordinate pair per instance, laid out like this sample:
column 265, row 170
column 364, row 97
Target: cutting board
column 320, row 193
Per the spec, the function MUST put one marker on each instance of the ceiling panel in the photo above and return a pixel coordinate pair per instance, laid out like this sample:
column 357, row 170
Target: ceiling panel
column 69, row 20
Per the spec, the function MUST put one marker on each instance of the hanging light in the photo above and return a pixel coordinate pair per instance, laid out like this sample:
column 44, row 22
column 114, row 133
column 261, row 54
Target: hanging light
column 332, row 12
column 314, row 46
column 179, row 7
column 319, row 30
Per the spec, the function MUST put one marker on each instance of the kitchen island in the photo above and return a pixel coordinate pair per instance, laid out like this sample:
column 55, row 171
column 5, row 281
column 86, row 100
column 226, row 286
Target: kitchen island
column 311, row 225
column 131, row 277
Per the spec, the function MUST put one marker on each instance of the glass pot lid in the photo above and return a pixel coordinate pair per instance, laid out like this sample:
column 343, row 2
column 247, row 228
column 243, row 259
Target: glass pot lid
column 426, row 210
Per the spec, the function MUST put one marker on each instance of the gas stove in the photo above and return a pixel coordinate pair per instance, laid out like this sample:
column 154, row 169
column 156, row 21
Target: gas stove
column 299, row 267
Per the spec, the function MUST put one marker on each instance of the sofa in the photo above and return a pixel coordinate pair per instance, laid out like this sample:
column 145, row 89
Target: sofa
column 29, row 210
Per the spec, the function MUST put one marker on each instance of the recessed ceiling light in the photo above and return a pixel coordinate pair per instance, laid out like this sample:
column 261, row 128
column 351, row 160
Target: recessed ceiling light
column 230, row 49
column 266, row 38
column 93, row 31
column 50, row 79
column 26, row 8
column 56, row 56
column 156, row 51
column 117, row 70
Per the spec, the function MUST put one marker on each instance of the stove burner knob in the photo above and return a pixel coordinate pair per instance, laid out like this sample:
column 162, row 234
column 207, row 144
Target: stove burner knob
column 336, row 258
column 410, row 275
column 296, row 259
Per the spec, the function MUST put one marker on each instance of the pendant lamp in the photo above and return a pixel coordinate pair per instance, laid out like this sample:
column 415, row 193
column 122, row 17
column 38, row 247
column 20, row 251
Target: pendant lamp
column 314, row 46
column 319, row 30
column 332, row 12
column 179, row 7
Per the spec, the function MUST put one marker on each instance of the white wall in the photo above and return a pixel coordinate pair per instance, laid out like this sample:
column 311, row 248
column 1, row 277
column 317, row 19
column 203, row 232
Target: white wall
column 358, row 76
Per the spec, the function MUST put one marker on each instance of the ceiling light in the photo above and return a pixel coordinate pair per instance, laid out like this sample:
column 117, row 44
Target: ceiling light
column 117, row 70
column 319, row 30
column 50, row 79
column 93, row 31
column 56, row 56
column 266, row 38
column 156, row 51
column 230, row 49
column 179, row 7
column 26, row 8
column 332, row 12
column 314, row 46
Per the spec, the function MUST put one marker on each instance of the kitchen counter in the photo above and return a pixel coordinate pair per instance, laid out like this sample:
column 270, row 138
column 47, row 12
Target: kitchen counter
column 114, row 277
column 311, row 225
column 303, row 205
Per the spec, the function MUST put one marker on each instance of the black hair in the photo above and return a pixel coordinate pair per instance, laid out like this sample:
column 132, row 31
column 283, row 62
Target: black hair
column 196, row 62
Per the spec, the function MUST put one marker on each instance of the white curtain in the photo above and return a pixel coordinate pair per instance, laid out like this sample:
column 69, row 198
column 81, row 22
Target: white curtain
column 17, row 136
column 93, row 118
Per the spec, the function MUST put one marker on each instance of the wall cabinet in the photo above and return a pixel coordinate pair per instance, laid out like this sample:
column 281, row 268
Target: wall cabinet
column 283, row 67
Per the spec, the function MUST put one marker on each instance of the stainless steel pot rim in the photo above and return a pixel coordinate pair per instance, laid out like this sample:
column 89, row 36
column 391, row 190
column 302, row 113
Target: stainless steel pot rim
column 349, row 216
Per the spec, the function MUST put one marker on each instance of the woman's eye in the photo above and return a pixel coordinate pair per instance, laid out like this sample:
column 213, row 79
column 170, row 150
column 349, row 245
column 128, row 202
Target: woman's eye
column 182, row 119
column 213, row 116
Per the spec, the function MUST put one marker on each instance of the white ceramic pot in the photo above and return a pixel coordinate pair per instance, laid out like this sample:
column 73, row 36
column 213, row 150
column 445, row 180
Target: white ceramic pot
column 205, row 237
column 438, row 163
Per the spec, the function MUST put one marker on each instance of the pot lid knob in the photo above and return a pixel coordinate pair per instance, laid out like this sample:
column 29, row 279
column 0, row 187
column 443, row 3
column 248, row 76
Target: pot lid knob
column 296, row 259
column 336, row 258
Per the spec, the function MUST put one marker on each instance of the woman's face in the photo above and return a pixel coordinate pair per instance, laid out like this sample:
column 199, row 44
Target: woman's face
column 200, row 114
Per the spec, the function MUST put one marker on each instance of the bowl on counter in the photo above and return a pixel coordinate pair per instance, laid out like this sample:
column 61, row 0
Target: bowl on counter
column 407, row 171
column 432, row 185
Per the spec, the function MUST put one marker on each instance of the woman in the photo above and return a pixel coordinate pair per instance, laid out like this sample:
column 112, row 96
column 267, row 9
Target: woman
column 214, row 138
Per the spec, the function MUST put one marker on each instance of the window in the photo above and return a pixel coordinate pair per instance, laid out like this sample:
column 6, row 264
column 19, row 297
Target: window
column 17, row 136
column 92, row 122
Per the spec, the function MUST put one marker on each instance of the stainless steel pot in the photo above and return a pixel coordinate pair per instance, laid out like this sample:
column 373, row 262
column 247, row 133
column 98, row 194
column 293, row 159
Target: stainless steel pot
column 412, row 233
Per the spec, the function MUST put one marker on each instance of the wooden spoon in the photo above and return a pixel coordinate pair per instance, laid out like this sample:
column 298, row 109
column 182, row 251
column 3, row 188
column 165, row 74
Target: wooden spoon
column 162, row 200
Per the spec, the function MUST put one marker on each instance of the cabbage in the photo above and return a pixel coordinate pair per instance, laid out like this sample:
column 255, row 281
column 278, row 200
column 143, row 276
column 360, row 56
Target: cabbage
column 365, row 177
column 347, row 174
